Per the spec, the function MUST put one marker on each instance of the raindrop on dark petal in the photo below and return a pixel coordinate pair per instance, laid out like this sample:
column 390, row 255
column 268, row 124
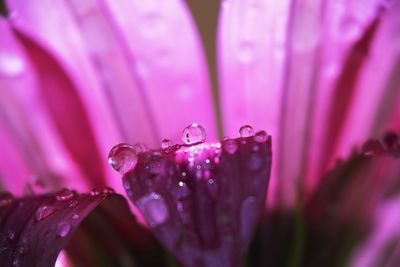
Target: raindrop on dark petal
column 193, row 134
column 43, row 212
column 123, row 157
column 6, row 198
column 230, row 146
column 154, row 209
column 75, row 216
column 64, row 194
column 166, row 143
column 95, row 192
column 63, row 229
column 246, row 131
column 371, row 147
column 261, row 136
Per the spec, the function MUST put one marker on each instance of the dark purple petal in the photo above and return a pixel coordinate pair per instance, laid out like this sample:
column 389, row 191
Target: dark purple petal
column 353, row 214
column 33, row 230
column 203, row 201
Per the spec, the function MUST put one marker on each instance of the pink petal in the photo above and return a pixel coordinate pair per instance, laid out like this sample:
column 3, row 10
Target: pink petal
column 30, row 143
column 286, row 82
column 165, row 51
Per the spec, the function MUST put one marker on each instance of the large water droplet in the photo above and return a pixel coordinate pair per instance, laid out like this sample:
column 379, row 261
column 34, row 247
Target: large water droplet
column 154, row 209
column 261, row 137
column 230, row 146
column 123, row 158
column 246, row 131
column 194, row 133
column 140, row 148
column 372, row 147
column 63, row 229
column 5, row 198
column 43, row 212
column 166, row 143
column 64, row 194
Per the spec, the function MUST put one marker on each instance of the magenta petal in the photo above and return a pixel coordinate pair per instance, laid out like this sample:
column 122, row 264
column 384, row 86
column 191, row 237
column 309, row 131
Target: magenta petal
column 203, row 201
column 165, row 51
column 31, row 144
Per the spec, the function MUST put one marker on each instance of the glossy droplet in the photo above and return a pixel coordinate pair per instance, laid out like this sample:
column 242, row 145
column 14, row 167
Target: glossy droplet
column 73, row 203
column 166, row 143
column 193, row 134
column 181, row 191
column 246, row 131
column 154, row 209
column 95, row 192
column 6, row 198
column 43, row 212
column 64, row 194
column 123, row 158
column 75, row 216
column 230, row 146
column 261, row 136
column 63, row 229
column 140, row 148
column 108, row 190
column 372, row 147
column 35, row 187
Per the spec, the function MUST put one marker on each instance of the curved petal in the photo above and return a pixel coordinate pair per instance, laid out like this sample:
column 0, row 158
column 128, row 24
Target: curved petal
column 34, row 230
column 161, row 38
column 289, row 71
column 27, row 132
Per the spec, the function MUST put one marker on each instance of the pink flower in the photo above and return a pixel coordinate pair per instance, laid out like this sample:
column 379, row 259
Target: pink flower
column 78, row 77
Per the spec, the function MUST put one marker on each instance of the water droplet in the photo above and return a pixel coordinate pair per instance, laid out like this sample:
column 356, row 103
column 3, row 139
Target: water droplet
column 95, row 192
column 246, row 131
column 43, row 212
column 75, row 216
column 35, row 186
column 126, row 184
column 230, row 146
column 140, row 148
column 11, row 235
column 181, row 191
column 372, row 147
column 6, row 198
column 193, row 134
column 63, row 229
column 154, row 209
column 73, row 203
column 166, row 143
column 108, row 191
column 123, row 158
column 261, row 136
column 64, row 194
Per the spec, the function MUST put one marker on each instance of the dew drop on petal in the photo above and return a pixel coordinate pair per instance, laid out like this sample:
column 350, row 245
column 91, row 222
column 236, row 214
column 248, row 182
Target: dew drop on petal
column 261, row 136
column 123, row 158
column 194, row 133
column 64, row 194
column 43, row 212
column 140, row 148
column 371, row 147
column 73, row 203
column 75, row 216
column 108, row 191
column 95, row 192
column 230, row 146
column 63, row 229
column 5, row 198
column 154, row 209
column 166, row 143
column 246, row 131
